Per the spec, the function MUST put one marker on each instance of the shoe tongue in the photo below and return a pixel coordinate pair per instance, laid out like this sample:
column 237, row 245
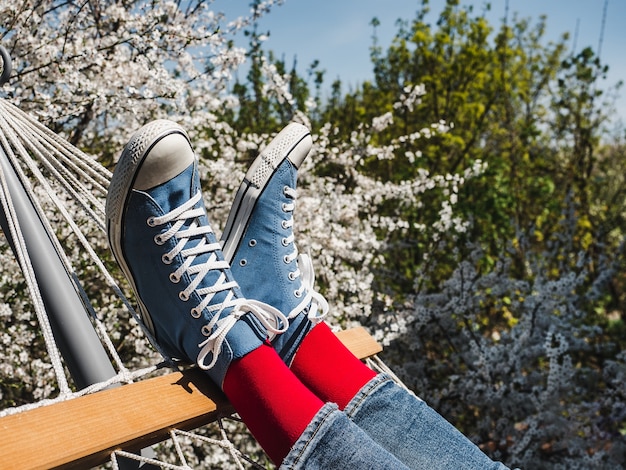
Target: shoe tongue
column 176, row 191
column 173, row 194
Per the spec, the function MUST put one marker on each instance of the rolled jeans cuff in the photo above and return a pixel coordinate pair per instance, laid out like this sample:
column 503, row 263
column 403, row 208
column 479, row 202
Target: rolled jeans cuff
column 332, row 440
column 408, row 428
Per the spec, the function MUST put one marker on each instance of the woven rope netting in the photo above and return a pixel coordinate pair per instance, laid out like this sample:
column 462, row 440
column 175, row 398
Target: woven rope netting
column 66, row 189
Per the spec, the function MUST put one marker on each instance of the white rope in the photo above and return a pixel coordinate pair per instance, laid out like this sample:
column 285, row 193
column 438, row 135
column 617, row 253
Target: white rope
column 80, row 158
column 56, row 163
column 8, row 130
column 144, row 460
column 29, row 273
column 224, row 442
column 125, row 376
column 236, row 457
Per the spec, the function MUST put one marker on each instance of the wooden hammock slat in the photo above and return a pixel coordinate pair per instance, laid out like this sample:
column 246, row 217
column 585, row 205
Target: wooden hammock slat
column 82, row 432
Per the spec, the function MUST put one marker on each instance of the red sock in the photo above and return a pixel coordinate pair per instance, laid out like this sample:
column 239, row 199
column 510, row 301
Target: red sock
column 328, row 368
column 271, row 400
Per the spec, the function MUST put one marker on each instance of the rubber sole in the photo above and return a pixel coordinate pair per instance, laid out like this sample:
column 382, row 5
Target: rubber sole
column 120, row 188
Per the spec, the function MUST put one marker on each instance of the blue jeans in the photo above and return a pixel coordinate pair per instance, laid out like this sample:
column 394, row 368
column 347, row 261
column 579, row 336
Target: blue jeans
column 384, row 427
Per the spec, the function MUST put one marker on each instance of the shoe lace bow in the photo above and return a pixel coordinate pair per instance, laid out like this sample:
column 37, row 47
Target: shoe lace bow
column 185, row 226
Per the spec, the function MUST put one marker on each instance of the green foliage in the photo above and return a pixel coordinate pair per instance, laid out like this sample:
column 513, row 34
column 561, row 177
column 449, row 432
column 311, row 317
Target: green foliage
column 548, row 212
column 530, row 110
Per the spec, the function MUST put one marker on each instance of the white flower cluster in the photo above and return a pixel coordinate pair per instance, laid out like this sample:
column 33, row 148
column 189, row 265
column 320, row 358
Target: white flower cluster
column 411, row 96
column 95, row 68
column 380, row 123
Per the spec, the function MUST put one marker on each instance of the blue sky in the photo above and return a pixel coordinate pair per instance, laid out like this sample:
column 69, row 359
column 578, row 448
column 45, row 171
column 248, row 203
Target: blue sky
column 338, row 32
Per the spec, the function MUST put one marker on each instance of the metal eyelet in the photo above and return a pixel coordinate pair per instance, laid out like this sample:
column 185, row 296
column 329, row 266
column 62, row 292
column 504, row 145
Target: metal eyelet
column 183, row 296
column 292, row 276
column 284, row 207
column 285, row 189
column 206, row 331
column 150, row 221
column 195, row 313
column 243, row 262
column 174, row 278
column 297, row 293
column 284, row 242
column 286, row 259
column 283, row 224
column 166, row 259
column 252, row 242
column 158, row 240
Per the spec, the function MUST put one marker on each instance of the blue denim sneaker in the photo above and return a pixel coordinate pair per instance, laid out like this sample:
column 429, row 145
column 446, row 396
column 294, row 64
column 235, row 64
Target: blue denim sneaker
column 258, row 239
column 160, row 236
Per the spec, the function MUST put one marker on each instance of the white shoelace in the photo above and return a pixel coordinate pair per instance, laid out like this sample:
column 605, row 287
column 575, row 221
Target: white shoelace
column 318, row 308
column 216, row 329
column 319, row 305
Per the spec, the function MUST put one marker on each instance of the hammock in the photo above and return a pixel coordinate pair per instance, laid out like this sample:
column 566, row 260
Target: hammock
column 105, row 409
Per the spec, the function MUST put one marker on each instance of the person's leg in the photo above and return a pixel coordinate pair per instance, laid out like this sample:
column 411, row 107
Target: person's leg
column 258, row 238
column 292, row 425
column 402, row 423
column 273, row 403
column 259, row 242
column 391, row 415
column 194, row 310
column 333, row 441
column 328, row 368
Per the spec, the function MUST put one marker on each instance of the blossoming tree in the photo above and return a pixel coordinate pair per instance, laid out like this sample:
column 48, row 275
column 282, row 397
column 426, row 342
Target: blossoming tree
column 491, row 344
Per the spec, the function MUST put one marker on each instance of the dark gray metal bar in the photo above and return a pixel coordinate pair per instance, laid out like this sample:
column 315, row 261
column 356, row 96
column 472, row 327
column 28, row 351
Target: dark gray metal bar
column 6, row 66
column 74, row 334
